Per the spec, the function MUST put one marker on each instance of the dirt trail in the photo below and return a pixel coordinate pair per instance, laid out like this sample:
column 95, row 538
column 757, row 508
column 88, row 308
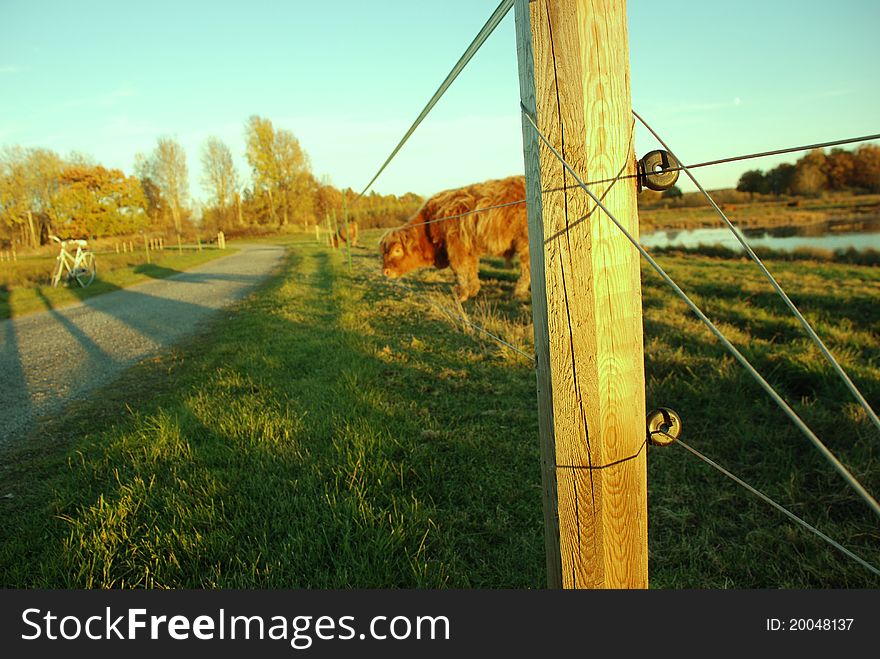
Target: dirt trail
column 96, row 339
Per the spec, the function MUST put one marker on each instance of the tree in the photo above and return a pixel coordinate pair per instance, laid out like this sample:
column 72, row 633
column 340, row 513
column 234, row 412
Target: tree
column 28, row 183
column 779, row 179
column 280, row 170
column 166, row 169
column 94, row 201
column 220, row 175
column 260, row 154
column 753, row 181
column 867, row 173
column 840, row 167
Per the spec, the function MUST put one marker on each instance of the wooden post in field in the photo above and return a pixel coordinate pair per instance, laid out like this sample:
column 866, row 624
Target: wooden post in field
column 14, row 254
column 147, row 248
column 335, row 230
column 179, row 245
column 347, row 230
column 586, row 292
column 317, row 233
column 117, row 247
column 199, row 241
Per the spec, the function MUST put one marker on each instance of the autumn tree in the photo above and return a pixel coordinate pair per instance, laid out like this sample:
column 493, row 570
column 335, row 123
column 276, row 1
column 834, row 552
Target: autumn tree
column 28, row 183
column 95, row 201
column 867, row 172
column 280, row 170
column 840, row 168
column 220, row 177
column 165, row 168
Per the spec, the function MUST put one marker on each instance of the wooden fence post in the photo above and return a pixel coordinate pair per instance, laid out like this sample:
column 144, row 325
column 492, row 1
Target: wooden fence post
column 179, row 245
column 147, row 248
column 335, row 230
column 199, row 241
column 347, row 230
column 586, row 292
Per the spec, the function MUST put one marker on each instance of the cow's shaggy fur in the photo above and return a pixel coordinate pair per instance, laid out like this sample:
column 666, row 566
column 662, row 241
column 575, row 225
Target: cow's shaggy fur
column 341, row 235
column 459, row 243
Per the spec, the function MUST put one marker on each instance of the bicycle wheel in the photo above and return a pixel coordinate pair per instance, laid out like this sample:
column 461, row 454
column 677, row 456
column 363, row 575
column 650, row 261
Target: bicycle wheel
column 85, row 272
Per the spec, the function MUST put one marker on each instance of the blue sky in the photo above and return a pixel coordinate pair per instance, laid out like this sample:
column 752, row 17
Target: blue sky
column 347, row 78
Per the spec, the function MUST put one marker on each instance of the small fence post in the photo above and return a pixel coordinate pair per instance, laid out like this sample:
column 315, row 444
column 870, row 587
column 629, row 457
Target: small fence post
column 179, row 245
column 335, row 239
column 347, row 230
column 14, row 254
column 147, row 248
column 199, row 242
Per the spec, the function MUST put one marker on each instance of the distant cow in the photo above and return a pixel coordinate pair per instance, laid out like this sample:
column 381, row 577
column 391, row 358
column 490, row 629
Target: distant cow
column 341, row 235
column 429, row 240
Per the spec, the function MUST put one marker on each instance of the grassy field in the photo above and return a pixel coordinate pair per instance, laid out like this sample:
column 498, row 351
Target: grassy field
column 337, row 430
column 24, row 284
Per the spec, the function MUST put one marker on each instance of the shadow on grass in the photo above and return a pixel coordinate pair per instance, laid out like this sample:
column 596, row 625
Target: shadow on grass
column 323, row 436
column 155, row 271
column 337, row 461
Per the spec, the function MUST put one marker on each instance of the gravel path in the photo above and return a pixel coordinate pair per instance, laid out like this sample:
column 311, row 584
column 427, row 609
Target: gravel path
column 108, row 333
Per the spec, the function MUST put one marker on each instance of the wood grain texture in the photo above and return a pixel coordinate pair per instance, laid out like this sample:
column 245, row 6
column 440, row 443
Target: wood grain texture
column 539, row 297
column 593, row 292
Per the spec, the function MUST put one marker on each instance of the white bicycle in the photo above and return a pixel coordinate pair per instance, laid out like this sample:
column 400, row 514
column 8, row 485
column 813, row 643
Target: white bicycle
column 78, row 266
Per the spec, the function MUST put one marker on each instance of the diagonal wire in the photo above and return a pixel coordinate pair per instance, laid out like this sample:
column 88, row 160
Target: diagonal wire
column 499, row 13
column 459, row 317
column 794, row 310
column 832, row 459
column 747, row 156
column 780, row 508
column 621, row 176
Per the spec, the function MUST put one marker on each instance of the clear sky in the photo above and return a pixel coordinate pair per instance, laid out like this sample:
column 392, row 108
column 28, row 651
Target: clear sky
column 348, row 77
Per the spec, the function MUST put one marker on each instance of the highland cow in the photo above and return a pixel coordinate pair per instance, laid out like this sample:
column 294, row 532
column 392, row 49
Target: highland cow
column 430, row 240
column 341, row 236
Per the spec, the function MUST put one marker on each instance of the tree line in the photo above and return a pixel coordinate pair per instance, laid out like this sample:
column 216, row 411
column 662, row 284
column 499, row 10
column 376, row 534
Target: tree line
column 43, row 193
column 817, row 172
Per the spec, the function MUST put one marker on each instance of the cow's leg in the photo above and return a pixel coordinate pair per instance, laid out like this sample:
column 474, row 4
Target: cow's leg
column 521, row 290
column 466, row 268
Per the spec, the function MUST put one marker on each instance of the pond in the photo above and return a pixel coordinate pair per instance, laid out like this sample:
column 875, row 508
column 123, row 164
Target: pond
column 862, row 234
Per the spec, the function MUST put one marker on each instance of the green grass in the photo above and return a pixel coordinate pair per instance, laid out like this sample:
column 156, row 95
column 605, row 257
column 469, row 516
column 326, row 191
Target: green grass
column 24, row 285
column 339, row 431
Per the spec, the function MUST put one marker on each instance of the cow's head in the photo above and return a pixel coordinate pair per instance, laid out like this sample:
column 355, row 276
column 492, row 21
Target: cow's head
column 408, row 249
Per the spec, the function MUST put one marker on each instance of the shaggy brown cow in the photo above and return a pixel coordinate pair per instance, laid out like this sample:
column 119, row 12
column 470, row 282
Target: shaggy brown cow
column 460, row 242
column 340, row 236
